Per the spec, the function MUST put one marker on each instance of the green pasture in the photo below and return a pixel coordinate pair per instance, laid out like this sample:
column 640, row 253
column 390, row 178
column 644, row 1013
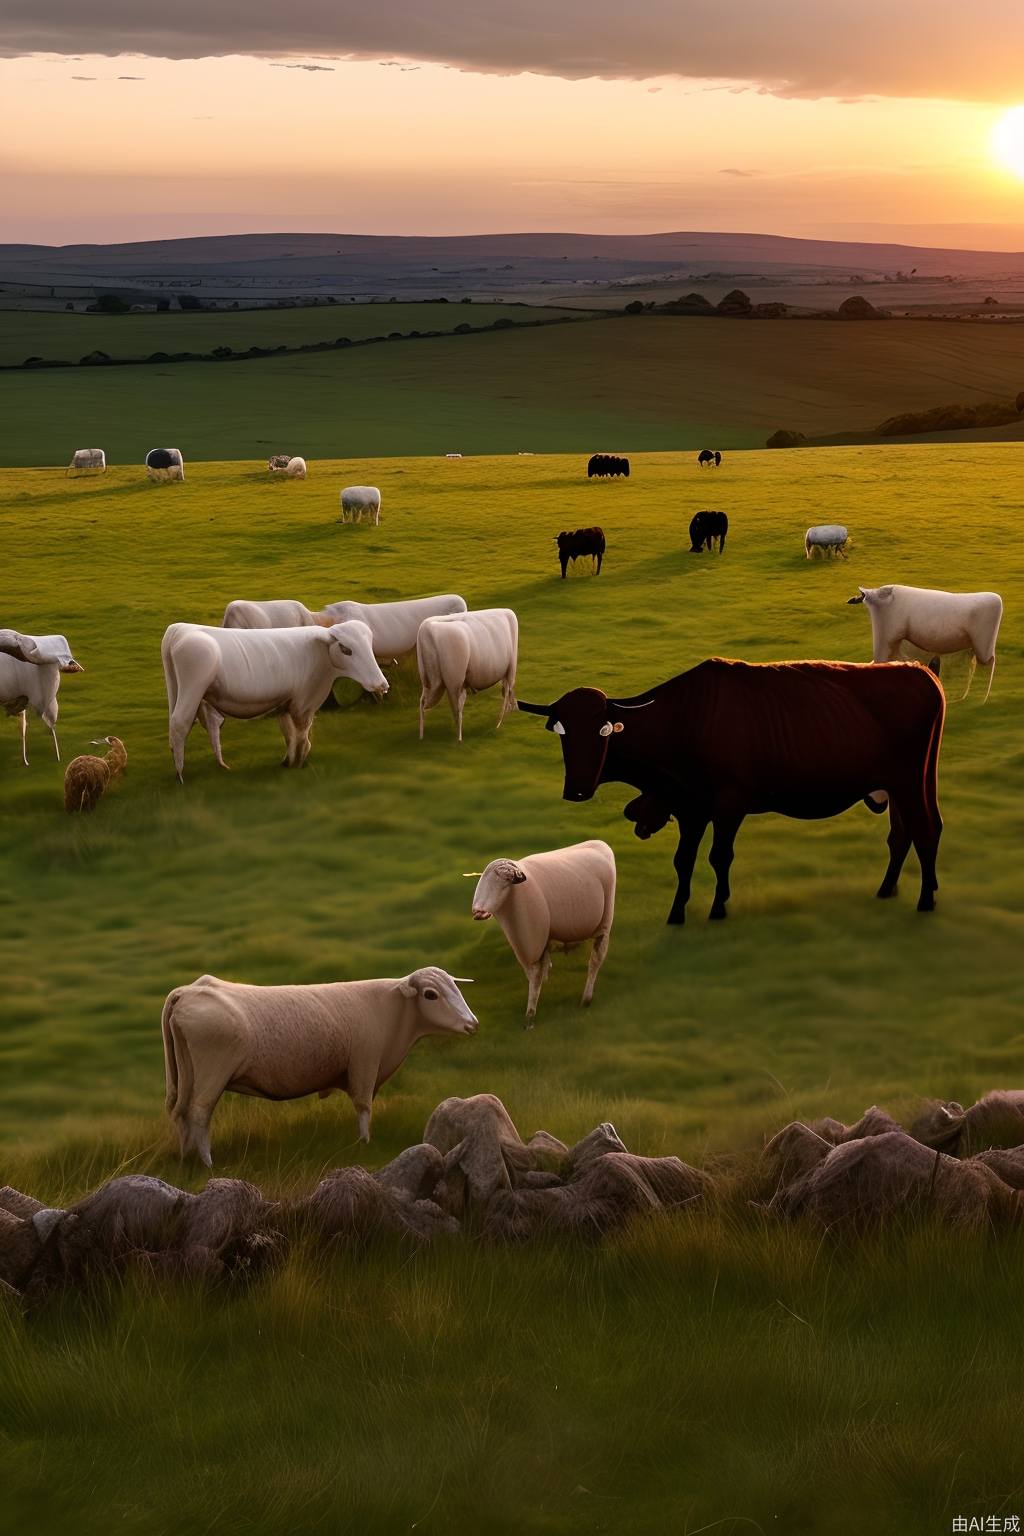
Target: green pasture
column 627, row 384
column 52, row 334
column 700, row 1373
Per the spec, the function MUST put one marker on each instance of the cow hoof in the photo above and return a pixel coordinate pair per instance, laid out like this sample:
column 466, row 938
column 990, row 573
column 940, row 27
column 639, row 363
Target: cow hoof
column 885, row 891
column 926, row 904
column 673, row 921
column 717, row 914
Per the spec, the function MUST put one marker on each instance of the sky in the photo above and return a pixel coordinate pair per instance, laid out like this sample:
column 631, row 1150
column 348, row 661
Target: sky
column 848, row 119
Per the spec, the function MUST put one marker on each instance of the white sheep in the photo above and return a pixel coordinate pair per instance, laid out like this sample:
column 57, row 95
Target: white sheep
column 357, row 499
column 30, row 671
column 938, row 623
column 287, row 1042
column 830, row 538
column 551, row 900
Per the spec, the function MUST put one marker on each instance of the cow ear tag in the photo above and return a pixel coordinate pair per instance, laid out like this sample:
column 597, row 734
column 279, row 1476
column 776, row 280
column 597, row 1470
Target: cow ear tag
column 617, row 727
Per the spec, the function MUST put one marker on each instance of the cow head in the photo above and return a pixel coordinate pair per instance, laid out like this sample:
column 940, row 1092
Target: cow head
column 493, row 887
column 581, row 719
column 350, row 648
column 40, row 650
column 440, row 1007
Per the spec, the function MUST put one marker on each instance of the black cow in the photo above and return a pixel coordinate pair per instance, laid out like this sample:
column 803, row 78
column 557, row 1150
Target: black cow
column 705, row 527
column 706, row 458
column 604, row 465
column 730, row 739
column 584, row 541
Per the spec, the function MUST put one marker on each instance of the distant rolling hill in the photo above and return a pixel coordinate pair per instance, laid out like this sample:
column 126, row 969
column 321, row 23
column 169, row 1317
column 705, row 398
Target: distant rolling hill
column 628, row 383
column 534, row 266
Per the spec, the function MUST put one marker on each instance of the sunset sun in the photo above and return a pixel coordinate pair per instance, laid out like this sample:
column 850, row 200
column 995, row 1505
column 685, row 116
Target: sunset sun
column 1008, row 141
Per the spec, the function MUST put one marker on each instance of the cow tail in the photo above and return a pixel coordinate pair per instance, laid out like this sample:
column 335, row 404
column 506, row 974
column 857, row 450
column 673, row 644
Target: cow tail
column 931, row 769
column 171, row 1074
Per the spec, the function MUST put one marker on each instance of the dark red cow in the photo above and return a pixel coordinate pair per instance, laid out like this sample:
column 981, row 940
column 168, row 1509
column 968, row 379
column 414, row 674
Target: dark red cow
column 730, row 739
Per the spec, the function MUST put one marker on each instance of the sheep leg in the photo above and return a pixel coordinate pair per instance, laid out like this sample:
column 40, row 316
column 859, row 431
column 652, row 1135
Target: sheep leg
column 724, row 831
column 536, row 976
column 691, row 835
column 362, row 1078
column 597, row 956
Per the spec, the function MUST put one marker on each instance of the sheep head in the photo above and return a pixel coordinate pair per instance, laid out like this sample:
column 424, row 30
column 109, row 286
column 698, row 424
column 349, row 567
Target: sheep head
column 494, row 885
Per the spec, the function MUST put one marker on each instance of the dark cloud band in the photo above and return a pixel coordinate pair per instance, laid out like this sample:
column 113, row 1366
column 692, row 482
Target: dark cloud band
column 844, row 48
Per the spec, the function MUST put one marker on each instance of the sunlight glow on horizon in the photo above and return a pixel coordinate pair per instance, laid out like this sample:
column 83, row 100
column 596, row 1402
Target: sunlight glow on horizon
column 118, row 149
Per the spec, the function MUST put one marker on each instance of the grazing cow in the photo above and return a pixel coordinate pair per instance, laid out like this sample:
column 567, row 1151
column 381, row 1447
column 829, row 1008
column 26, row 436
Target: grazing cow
column 249, row 673
column 585, row 541
column 357, row 499
column 705, row 527
column 730, row 739
column 938, row 623
column 607, row 465
column 394, row 626
column 830, row 538
column 290, row 1041
column 30, row 672
column 462, row 653
column 708, row 459
column 277, row 613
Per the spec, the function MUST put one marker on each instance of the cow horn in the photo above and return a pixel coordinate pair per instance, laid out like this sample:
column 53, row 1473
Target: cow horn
column 464, row 979
column 471, row 874
column 534, row 709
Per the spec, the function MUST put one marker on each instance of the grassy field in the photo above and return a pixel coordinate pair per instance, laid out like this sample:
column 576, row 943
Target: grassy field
column 698, row 1373
column 38, row 333
column 632, row 385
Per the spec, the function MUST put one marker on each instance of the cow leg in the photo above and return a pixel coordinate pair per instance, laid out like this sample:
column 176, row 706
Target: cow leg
column 303, row 726
column 691, row 834
column 458, row 704
column 926, row 846
column 597, row 954
column 600, row 559
column 899, row 846
column 429, row 696
column 212, row 720
column 24, row 754
column 724, row 831
column 536, row 976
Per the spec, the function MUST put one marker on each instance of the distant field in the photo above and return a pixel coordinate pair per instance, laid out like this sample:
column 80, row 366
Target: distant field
column 630, row 384
column 693, row 1374
column 71, row 336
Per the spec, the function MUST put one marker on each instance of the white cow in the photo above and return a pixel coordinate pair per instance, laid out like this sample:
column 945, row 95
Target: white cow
column 278, row 613
column 30, row 669
column 287, row 1042
column 465, row 653
column 394, row 626
column 552, row 900
column 357, row 499
column 938, row 623
column 247, row 673
column 830, row 538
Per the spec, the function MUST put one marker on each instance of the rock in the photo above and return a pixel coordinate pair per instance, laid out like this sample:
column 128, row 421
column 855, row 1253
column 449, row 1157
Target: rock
column 864, row 1183
column 414, row 1172
column 786, row 439
column 599, row 1142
